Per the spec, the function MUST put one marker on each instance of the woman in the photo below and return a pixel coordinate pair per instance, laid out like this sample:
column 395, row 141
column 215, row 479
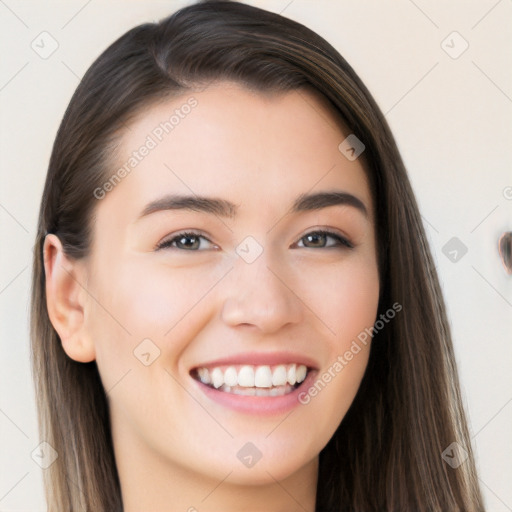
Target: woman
column 234, row 303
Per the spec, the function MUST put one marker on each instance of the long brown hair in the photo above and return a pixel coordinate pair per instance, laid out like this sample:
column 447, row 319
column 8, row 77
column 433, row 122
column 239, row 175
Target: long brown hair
column 386, row 454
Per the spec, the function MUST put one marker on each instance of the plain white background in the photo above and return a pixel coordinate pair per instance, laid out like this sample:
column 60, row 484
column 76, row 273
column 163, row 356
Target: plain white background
column 451, row 118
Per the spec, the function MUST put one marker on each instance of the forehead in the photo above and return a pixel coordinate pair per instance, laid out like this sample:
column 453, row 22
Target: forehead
column 228, row 141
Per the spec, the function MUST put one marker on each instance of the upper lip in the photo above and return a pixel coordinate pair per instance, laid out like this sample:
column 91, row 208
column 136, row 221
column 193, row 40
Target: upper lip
column 261, row 358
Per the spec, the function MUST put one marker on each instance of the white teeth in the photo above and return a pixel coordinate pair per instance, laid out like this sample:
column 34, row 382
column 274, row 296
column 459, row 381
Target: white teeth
column 279, row 376
column 244, row 391
column 230, row 376
column 246, row 377
column 263, row 377
column 204, row 375
column 243, row 379
column 301, row 373
column 278, row 391
column 292, row 379
column 217, row 377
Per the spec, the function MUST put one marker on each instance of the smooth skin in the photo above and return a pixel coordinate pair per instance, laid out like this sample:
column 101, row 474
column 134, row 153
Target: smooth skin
column 197, row 300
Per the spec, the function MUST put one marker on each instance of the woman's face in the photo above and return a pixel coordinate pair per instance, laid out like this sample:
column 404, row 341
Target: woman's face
column 247, row 300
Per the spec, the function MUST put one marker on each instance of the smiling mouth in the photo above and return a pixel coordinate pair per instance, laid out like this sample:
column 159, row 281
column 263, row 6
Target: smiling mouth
column 253, row 380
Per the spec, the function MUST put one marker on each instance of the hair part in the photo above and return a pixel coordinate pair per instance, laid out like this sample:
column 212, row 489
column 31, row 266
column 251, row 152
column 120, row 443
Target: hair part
column 386, row 453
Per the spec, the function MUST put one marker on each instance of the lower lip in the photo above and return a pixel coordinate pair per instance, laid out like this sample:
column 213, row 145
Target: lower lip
column 261, row 405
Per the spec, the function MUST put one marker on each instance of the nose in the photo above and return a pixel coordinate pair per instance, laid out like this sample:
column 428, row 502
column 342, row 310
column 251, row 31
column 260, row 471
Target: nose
column 259, row 294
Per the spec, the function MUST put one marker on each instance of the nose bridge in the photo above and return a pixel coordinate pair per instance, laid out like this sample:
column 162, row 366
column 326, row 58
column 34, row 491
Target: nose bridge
column 257, row 292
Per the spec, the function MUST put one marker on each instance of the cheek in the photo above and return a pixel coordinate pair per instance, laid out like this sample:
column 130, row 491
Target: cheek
column 356, row 302
column 348, row 305
column 344, row 297
column 139, row 301
column 345, row 301
column 145, row 309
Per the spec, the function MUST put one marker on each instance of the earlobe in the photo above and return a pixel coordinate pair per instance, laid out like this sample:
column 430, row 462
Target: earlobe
column 65, row 298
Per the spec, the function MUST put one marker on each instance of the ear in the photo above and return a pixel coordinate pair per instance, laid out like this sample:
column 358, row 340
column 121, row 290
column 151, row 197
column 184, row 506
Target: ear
column 66, row 300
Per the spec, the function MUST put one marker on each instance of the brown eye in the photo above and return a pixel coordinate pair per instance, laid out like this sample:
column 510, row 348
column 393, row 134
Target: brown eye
column 188, row 241
column 319, row 240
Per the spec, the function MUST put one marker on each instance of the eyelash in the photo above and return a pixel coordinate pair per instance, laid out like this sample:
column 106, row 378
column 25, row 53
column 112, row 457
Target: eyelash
column 185, row 234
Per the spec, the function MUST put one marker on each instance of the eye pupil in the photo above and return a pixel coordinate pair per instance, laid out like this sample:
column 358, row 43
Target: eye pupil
column 183, row 239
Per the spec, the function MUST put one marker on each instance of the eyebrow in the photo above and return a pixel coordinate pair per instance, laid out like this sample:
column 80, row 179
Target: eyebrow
column 227, row 209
